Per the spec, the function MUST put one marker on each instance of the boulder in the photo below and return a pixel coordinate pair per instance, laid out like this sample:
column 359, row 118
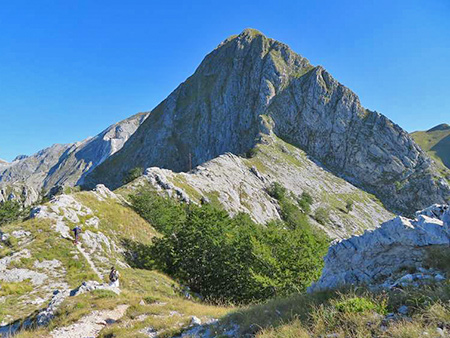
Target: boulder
column 380, row 253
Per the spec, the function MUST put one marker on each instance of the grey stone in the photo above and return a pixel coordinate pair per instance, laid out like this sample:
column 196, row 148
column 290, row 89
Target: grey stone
column 195, row 321
column 403, row 310
column 380, row 253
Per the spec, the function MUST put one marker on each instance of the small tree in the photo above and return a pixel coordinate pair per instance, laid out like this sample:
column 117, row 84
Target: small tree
column 322, row 216
column 9, row 212
column 277, row 191
column 133, row 174
column 349, row 206
column 305, row 202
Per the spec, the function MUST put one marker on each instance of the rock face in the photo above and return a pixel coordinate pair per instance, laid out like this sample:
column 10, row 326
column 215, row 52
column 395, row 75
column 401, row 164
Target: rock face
column 62, row 165
column 380, row 253
column 251, row 84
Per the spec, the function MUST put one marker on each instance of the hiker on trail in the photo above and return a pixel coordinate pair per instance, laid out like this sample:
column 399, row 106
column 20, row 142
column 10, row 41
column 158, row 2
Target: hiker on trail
column 114, row 278
column 76, row 232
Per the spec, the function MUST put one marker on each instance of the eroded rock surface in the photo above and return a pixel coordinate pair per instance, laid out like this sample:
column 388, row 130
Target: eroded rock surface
column 378, row 254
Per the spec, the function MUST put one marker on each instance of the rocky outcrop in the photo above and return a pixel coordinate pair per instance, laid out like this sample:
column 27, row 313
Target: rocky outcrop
column 26, row 178
column 251, row 84
column 375, row 256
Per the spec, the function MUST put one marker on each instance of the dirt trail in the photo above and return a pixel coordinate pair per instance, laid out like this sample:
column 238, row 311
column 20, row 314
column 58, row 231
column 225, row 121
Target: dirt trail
column 90, row 326
column 89, row 260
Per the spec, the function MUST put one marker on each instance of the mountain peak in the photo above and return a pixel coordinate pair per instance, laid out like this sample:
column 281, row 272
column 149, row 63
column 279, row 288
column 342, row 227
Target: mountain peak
column 251, row 32
column 249, row 77
column 442, row 126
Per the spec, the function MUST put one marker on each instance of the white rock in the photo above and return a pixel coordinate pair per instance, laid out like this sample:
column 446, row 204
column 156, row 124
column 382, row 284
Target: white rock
column 380, row 253
column 195, row 321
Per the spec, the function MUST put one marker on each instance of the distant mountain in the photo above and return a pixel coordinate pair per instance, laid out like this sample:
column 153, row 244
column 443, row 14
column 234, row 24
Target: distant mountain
column 28, row 177
column 436, row 142
column 250, row 86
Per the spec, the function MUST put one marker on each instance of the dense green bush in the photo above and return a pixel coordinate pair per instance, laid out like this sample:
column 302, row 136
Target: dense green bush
column 305, row 202
column 360, row 304
column 349, row 205
column 277, row 191
column 10, row 211
column 133, row 174
column 322, row 215
column 228, row 258
column 164, row 214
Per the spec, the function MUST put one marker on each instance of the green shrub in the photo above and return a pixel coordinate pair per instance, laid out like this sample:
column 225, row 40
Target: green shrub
column 277, row 191
column 10, row 211
column 228, row 258
column 305, row 202
column 251, row 153
column 164, row 214
column 322, row 216
column 349, row 205
column 133, row 174
column 359, row 305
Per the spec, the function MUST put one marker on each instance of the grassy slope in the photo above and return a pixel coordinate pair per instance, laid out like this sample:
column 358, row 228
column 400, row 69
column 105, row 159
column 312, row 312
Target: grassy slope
column 151, row 295
column 437, row 144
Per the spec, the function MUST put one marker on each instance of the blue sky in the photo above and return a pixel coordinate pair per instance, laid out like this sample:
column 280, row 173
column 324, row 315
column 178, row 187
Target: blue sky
column 68, row 69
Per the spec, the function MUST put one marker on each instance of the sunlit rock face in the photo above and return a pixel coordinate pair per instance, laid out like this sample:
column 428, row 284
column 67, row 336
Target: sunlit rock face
column 250, row 85
column 380, row 253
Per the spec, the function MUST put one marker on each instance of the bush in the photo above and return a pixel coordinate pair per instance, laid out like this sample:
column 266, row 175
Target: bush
column 252, row 152
column 349, row 206
column 225, row 258
column 10, row 211
column 305, row 202
column 322, row 216
column 162, row 213
column 359, row 305
column 277, row 191
column 133, row 174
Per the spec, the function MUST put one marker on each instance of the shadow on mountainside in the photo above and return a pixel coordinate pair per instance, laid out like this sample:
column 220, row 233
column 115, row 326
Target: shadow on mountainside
column 442, row 149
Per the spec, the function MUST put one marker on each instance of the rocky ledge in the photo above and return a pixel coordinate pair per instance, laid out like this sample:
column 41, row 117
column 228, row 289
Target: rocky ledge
column 377, row 256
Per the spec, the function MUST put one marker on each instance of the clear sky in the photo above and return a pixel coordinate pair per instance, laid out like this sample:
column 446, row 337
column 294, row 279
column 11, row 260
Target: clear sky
column 69, row 69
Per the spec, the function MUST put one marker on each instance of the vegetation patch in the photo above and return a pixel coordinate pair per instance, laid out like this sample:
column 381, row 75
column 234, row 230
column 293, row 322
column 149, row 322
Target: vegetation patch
column 229, row 258
column 11, row 211
column 15, row 288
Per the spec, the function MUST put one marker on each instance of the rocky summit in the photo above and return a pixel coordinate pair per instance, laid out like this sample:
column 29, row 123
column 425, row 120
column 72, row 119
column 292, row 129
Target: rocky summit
column 250, row 85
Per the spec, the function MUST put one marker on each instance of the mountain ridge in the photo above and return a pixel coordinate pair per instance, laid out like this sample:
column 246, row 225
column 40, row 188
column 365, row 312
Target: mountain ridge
column 28, row 178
